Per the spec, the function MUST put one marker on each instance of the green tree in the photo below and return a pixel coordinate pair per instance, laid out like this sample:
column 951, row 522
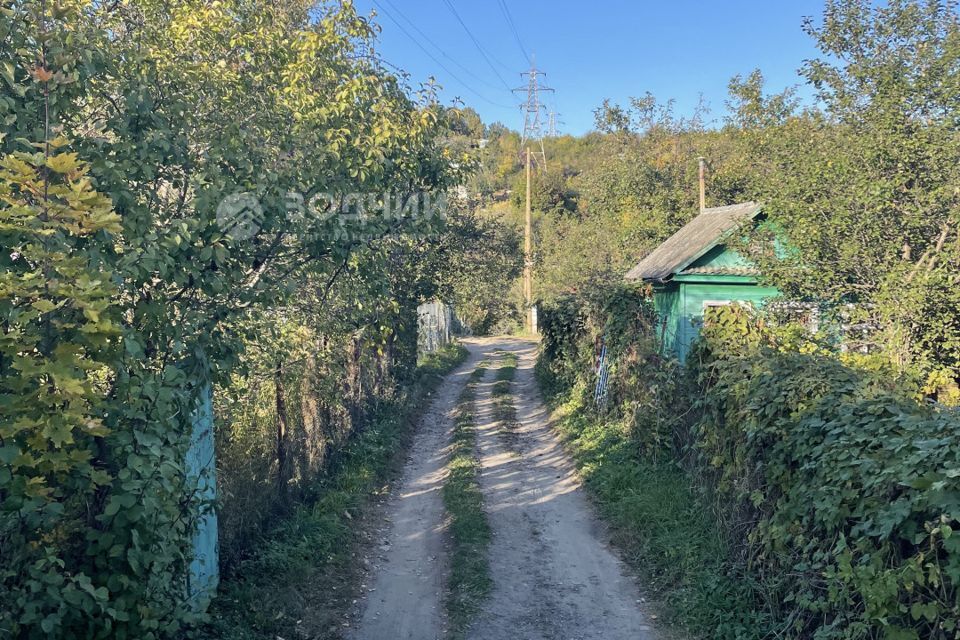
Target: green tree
column 862, row 188
column 639, row 186
column 483, row 261
column 550, row 193
column 173, row 108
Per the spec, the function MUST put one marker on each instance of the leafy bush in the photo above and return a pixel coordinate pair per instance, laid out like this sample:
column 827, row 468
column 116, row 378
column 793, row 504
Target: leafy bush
column 833, row 483
column 642, row 384
column 94, row 527
column 844, row 486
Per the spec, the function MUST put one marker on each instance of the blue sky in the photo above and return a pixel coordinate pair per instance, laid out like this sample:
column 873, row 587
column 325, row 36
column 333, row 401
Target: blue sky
column 594, row 50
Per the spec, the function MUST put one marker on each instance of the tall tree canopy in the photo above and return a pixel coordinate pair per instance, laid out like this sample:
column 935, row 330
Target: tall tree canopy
column 133, row 133
column 862, row 189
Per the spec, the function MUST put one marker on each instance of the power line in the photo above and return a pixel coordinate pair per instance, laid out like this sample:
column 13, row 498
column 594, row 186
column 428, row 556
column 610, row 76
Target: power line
column 476, row 43
column 513, row 27
column 440, row 64
column 446, row 55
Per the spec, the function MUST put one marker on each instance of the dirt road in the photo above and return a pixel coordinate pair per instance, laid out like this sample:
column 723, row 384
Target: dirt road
column 403, row 598
column 554, row 576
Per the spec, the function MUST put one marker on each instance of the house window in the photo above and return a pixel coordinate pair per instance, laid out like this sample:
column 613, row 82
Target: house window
column 708, row 304
column 705, row 308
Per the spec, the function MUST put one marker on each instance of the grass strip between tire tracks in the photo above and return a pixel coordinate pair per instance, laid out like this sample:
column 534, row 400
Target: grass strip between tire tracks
column 469, row 582
column 504, row 410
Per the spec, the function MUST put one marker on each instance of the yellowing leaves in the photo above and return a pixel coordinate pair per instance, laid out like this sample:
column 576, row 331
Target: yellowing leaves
column 64, row 162
column 45, row 202
column 58, row 143
column 45, row 306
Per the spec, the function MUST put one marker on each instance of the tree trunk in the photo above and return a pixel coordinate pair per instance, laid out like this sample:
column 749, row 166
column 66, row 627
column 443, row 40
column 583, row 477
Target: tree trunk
column 354, row 377
column 282, row 447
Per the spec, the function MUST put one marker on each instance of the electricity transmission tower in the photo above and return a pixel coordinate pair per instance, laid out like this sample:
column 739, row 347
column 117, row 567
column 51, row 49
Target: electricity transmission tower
column 533, row 112
column 552, row 122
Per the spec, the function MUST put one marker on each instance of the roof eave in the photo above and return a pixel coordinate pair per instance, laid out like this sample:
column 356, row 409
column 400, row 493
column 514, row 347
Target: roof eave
column 721, row 239
column 649, row 279
column 716, row 278
column 652, row 267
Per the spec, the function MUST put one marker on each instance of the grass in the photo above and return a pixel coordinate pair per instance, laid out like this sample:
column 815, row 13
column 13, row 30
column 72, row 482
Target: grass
column 469, row 582
column 504, row 411
column 662, row 527
column 504, row 375
column 299, row 582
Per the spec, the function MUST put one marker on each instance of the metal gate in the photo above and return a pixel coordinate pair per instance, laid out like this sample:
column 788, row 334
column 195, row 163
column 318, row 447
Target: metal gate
column 434, row 326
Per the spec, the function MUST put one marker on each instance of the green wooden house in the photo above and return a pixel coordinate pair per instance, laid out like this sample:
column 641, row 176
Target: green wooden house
column 694, row 269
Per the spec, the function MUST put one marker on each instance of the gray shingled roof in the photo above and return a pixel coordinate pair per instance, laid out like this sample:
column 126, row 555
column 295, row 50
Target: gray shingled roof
column 697, row 237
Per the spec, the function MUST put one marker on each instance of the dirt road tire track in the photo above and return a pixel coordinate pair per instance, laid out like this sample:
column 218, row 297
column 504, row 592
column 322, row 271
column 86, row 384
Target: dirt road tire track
column 554, row 576
column 403, row 596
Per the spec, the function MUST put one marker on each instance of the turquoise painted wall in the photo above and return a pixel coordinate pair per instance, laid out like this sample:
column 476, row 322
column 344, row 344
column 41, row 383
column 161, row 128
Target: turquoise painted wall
column 681, row 301
column 666, row 299
column 721, row 256
column 696, row 296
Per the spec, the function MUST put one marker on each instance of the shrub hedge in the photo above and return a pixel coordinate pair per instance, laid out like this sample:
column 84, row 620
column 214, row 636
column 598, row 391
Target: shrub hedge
column 835, row 484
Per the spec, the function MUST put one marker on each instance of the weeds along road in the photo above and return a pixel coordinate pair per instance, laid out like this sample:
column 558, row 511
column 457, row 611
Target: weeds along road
column 553, row 575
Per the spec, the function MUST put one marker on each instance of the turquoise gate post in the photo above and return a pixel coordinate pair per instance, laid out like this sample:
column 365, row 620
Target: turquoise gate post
column 204, row 571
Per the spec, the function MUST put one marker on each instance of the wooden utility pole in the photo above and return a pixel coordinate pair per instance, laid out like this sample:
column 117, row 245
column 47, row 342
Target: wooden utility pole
column 528, row 256
column 703, row 183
